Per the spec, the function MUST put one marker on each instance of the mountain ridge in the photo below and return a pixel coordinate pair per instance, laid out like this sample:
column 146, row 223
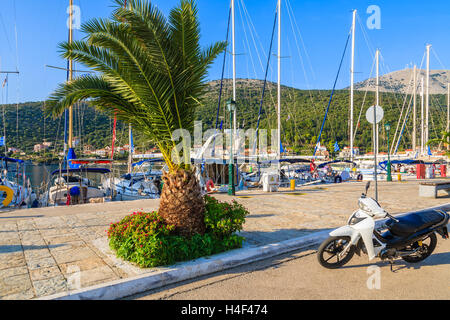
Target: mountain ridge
column 401, row 81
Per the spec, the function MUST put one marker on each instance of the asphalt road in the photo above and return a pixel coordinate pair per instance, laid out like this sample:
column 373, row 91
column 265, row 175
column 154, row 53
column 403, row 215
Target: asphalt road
column 298, row 276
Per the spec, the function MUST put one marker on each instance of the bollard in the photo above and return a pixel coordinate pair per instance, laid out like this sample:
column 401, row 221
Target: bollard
column 292, row 184
column 399, row 177
column 443, row 170
column 420, row 171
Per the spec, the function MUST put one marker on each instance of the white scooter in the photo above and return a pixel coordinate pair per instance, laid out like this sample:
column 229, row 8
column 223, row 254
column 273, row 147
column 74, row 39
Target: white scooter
column 410, row 237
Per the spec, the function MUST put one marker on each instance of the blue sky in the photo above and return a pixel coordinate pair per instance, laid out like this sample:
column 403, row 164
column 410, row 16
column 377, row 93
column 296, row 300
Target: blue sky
column 406, row 27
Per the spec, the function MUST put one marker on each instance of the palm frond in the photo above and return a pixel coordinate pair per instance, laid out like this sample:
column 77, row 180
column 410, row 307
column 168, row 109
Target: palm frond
column 151, row 69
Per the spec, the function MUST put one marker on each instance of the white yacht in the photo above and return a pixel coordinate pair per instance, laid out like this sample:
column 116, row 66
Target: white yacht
column 143, row 182
column 76, row 186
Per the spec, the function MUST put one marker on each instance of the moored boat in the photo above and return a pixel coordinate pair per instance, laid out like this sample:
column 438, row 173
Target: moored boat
column 15, row 188
column 80, row 185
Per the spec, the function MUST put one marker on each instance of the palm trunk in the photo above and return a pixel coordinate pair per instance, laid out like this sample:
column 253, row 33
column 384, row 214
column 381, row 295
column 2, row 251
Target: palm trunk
column 182, row 203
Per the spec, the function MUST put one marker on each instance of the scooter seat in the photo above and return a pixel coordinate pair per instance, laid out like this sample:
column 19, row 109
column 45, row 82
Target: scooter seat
column 413, row 222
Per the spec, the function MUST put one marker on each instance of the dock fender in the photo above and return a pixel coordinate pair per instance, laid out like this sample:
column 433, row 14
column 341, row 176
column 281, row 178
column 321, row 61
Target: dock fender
column 9, row 196
column 209, row 185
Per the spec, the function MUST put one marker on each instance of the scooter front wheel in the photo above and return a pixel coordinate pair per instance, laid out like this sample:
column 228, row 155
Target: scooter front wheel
column 329, row 250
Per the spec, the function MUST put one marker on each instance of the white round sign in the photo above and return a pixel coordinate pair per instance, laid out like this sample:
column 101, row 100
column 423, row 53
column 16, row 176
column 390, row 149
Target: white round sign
column 379, row 114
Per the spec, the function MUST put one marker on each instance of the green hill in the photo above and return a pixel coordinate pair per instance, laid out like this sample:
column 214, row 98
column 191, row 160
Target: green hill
column 302, row 115
column 27, row 125
column 303, row 112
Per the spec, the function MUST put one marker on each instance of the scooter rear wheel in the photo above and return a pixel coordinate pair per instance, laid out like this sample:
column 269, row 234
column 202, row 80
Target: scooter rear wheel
column 327, row 254
column 427, row 248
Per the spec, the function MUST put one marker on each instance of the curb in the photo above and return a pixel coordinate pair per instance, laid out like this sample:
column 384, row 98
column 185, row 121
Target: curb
column 192, row 269
column 188, row 270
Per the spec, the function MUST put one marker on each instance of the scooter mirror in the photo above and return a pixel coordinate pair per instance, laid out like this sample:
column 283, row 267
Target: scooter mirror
column 367, row 186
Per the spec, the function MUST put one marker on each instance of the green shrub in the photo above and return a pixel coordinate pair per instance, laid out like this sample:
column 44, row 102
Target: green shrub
column 222, row 218
column 147, row 240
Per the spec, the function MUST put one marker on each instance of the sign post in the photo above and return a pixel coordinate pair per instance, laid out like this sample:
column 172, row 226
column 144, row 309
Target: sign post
column 387, row 126
column 374, row 115
column 231, row 104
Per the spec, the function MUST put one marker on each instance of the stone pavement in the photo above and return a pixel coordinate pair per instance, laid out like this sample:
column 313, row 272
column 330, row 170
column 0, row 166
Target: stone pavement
column 47, row 251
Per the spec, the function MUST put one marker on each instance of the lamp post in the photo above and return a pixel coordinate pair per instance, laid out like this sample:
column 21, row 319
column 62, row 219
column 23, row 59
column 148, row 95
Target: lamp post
column 387, row 126
column 231, row 105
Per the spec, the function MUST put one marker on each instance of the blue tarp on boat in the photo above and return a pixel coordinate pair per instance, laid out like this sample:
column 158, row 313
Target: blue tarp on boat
column 72, row 156
column 383, row 164
column 322, row 165
column 147, row 160
column 85, row 170
column 289, row 160
column 11, row 160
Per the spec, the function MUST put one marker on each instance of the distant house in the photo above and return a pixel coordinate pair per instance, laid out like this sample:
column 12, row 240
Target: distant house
column 14, row 150
column 101, row 152
column 88, row 148
column 76, row 141
column 322, row 151
column 120, row 150
column 345, row 153
column 41, row 147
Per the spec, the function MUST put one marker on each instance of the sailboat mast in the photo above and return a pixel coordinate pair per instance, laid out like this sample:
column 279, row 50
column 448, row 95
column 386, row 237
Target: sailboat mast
column 377, row 100
column 414, row 111
column 4, row 117
column 130, row 149
column 233, row 32
column 422, row 129
column 375, row 126
column 352, row 79
column 70, row 74
column 427, row 97
column 279, row 84
column 448, row 111
column 6, row 83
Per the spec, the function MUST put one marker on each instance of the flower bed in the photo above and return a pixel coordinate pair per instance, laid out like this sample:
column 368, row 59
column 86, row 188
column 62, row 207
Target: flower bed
column 147, row 240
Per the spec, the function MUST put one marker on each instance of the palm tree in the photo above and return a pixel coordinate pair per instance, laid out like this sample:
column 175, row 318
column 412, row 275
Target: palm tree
column 150, row 72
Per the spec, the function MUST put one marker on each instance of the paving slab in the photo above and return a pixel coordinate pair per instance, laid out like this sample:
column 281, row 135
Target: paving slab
column 47, row 287
column 12, row 260
column 45, row 273
column 15, row 284
column 56, row 251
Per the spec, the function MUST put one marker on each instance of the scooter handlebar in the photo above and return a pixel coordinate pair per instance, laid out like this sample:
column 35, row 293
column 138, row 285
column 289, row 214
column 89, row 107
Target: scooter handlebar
column 392, row 217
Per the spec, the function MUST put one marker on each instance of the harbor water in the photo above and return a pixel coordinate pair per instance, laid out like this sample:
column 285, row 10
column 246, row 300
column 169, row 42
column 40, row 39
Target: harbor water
column 39, row 174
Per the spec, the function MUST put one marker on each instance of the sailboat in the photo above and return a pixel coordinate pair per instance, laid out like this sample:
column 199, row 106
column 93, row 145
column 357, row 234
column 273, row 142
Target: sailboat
column 142, row 181
column 15, row 188
column 77, row 182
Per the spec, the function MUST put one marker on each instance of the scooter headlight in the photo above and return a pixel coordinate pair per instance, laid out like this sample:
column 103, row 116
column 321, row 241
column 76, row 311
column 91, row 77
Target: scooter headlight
column 356, row 218
column 364, row 207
